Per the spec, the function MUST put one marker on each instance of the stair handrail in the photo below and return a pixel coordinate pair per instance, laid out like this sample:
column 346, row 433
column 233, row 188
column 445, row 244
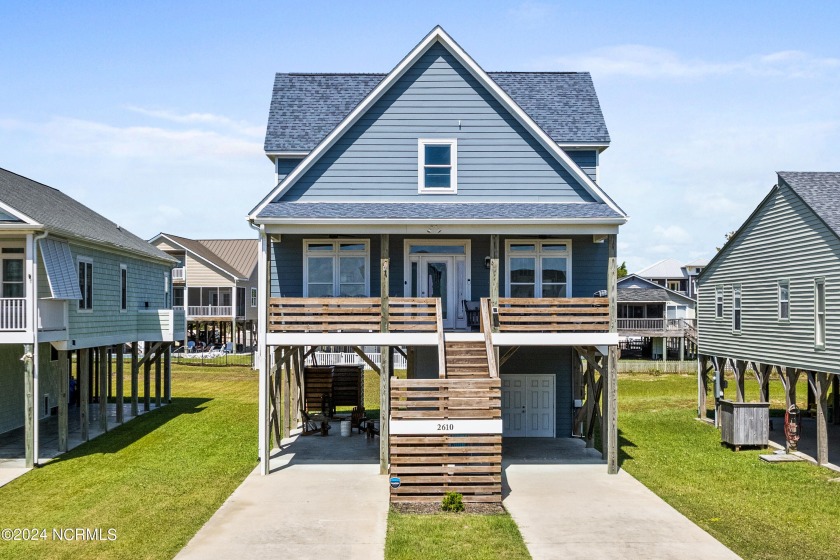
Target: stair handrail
column 488, row 343
column 441, row 345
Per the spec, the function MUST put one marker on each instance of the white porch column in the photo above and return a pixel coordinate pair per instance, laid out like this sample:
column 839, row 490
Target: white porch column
column 233, row 319
column 262, row 351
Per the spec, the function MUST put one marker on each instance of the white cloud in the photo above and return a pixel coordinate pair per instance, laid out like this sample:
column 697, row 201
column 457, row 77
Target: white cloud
column 200, row 119
column 643, row 61
column 672, row 233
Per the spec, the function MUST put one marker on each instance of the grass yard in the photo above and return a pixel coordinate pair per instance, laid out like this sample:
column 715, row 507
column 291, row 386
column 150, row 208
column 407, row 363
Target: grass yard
column 155, row 480
column 759, row 510
column 453, row 537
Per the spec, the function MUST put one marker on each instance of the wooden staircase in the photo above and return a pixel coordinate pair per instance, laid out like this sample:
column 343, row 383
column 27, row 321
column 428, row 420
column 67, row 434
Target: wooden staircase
column 466, row 360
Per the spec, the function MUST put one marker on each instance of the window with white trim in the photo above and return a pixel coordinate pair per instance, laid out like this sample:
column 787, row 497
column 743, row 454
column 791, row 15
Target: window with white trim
column 539, row 268
column 336, row 268
column 123, row 287
column 819, row 312
column 736, row 308
column 167, row 303
column 784, row 300
column 718, row 302
column 86, row 283
column 253, row 297
column 437, row 166
column 13, row 272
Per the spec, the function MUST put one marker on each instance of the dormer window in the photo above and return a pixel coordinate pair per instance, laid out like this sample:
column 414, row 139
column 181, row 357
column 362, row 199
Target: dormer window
column 438, row 166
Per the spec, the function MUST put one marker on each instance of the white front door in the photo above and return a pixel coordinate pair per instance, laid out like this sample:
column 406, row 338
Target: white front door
column 528, row 406
column 444, row 277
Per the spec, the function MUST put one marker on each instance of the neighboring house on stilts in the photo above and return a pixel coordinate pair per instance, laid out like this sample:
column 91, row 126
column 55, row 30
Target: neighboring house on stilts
column 79, row 294
column 769, row 301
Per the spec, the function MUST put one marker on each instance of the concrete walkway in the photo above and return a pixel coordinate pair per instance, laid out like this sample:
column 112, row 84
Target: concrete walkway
column 324, row 498
column 567, row 506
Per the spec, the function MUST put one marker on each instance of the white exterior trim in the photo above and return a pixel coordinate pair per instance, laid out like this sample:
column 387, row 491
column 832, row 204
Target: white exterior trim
column 18, row 214
column 448, row 426
column 335, row 254
column 538, row 255
column 436, row 35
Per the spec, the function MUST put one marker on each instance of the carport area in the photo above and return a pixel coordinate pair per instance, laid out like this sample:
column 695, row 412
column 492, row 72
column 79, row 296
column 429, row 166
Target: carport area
column 807, row 444
column 324, row 498
column 567, row 506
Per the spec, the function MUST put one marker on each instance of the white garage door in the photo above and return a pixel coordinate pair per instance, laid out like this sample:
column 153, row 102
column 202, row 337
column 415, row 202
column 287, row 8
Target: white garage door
column 528, row 405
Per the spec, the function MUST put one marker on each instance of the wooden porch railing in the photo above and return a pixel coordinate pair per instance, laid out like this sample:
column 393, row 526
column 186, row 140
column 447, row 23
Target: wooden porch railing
column 554, row 315
column 12, row 314
column 487, row 328
column 295, row 315
column 446, row 398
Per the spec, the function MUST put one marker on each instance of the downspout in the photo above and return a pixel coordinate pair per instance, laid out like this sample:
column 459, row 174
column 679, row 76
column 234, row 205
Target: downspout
column 35, row 365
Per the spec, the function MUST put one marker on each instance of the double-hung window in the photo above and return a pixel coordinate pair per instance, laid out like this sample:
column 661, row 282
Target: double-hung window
column 86, row 283
column 437, row 166
column 336, row 268
column 784, row 300
column 539, row 268
column 736, row 308
column 253, row 297
column 13, row 285
column 819, row 313
column 718, row 302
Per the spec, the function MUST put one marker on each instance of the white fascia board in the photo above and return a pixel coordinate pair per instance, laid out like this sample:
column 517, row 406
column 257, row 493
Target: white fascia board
column 196, row 255
column 554, row 339
column 17, row 229
column 598, row 146
column 437, row 35
column 287, row 155
column 351, row 339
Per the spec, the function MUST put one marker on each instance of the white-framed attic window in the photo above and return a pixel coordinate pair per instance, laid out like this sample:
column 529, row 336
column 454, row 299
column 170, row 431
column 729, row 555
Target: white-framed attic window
column 437, row 160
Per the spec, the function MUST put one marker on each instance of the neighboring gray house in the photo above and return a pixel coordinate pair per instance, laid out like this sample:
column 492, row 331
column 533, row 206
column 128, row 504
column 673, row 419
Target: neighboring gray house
column 76, row 288
column 770, row 299
column 672, row 274
column 215, row 283
column 652, row 319
column 431, row 186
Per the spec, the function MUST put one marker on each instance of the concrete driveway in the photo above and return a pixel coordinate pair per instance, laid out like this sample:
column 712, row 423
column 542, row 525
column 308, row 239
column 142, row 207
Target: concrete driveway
column 324, row 498
column 567, row 506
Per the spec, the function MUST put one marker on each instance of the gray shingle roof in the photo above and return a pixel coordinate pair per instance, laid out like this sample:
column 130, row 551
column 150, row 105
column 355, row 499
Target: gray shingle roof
column 644, row 295
column 60, row 214
column 820, row 191
column 436, row 211
column 307, row 107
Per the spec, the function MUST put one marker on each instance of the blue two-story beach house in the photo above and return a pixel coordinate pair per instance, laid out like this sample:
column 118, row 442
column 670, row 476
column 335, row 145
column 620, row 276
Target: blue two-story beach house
column 452, row 215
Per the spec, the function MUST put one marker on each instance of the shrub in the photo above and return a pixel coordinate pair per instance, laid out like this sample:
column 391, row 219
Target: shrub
column 453, row 502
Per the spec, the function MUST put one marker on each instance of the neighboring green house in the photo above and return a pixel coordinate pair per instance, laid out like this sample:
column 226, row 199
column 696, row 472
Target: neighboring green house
column 76, row 288
column 768, row 301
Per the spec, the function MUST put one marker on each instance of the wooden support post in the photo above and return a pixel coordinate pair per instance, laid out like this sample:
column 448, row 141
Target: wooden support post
column 835, row 407
column 410, row 362
column 135, row 373
column 610, row 387
column 740, row 373
column 682, row 348
column 120, row 385
column 494, row 271
column 110, row 356
column 167, row 374
column 295, row 385
column 818, row 382
column 147, row 383
column 589, row 404
column 30, row 421
column 267, row 401
column 83, row 359
column 103, row 388
column 578, row 389
column 158, row 378
column 384, row 356
column 287, row 403
column 64, row 368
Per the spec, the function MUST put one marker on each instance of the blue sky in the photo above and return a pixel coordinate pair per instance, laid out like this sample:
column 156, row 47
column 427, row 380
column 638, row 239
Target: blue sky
column 153, row 113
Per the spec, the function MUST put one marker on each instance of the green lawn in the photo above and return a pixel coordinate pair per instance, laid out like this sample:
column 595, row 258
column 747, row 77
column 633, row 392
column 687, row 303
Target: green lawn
column 155, row 480
column 759, row 510
column 453, row 537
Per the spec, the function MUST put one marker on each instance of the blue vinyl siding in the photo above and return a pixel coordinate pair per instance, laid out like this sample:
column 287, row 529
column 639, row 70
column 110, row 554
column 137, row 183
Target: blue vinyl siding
column 589, row 265
column 587, row 160
column 285, row 166
column 376, row 159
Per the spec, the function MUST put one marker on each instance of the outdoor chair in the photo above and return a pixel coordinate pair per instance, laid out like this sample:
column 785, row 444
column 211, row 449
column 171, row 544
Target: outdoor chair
column 471, row 308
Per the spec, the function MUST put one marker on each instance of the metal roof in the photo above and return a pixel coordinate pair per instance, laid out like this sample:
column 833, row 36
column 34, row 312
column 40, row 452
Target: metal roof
column 61, row 214
column 236, row 257
column 436, row 211
column 667, row 268
column 306, row 107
